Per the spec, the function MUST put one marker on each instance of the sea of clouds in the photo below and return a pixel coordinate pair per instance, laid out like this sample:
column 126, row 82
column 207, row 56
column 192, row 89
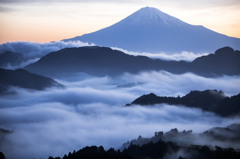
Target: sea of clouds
column 90, row 111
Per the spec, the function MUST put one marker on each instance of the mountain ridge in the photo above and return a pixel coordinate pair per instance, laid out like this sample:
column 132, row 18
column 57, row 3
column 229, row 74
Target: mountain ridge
column 146, row 31
column 24, row 79
column 103, row 61
column 208, row 100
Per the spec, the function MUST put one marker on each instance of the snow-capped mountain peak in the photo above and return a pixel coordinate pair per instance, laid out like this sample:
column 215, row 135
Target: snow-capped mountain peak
column 150, row 30
column 150, row 15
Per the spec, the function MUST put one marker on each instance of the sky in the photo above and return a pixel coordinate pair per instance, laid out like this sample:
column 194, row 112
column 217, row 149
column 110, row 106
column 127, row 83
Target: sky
column 54, row 20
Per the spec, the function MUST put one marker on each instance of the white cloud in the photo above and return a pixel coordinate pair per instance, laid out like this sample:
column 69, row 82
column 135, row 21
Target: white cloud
column 33, row 51
column 37, row 50
column 166, row 84
column 55, row 129
column 184, row 55
column 90, row 112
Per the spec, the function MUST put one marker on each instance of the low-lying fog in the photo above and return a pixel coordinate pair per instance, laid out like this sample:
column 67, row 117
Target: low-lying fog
column 89, row 111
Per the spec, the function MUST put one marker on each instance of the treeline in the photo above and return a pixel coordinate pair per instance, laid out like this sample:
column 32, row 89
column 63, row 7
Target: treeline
column 152, row 150
column 95, row 152
column 229, row 135
column 2, row 156
column 207, row 100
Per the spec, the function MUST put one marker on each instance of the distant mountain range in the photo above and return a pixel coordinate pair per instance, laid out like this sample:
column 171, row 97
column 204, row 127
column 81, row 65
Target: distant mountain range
column 102, row 61
column 208, row 100
column 24, row 79
column 150, row 30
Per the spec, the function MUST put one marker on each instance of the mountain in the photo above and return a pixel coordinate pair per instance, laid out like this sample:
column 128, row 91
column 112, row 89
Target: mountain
column 9, row 58
column 214, row 63
column 24, row 79
column 94, row 60
column 102, row 61
column 150, row 30
column 208, row 100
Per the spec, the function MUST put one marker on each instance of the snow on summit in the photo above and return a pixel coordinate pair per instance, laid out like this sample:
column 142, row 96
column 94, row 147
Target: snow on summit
column 152, row 31
column 150, row 15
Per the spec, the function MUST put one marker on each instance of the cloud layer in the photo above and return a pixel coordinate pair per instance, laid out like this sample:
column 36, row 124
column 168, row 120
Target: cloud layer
column 37, row 50
column 184, row 55
column 55, row 129
column 33, row 51
column 90, row 112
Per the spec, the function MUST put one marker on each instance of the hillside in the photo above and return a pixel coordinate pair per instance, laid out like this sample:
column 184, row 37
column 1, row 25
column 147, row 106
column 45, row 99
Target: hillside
column 102, row 61
column 208, row 100
column 24, row 79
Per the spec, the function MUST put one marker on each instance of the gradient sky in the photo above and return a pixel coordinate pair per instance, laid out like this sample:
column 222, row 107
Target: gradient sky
column 53, row 20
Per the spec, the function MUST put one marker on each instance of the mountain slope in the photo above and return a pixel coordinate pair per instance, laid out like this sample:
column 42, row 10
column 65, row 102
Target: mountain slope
column 208, row 100
column 24, row 79
column 9, row 58
column 224, row 60
column 102, row 61
column 98, row 61
column 150, row 30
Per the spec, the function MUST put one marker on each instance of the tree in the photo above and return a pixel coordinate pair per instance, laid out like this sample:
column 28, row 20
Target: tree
column 65, row 156
column 69, row 155
column 2, row 156
column 180, row 157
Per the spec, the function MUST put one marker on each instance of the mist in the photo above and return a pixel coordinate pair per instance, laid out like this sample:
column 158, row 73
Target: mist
column 36, row 49
column 21, row 65
column 184, row 55
column 33, row 51
column 90, row 111
column 55, row 129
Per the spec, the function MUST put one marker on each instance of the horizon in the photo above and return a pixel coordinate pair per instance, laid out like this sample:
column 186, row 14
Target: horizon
column 57, row 20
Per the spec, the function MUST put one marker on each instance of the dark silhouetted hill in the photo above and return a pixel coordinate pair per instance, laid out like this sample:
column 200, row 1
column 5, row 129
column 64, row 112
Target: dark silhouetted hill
column 224, row 61
column 102, row 61
column 24, row 79
column 208, row 100
column 229, row 105
column 99, row 61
